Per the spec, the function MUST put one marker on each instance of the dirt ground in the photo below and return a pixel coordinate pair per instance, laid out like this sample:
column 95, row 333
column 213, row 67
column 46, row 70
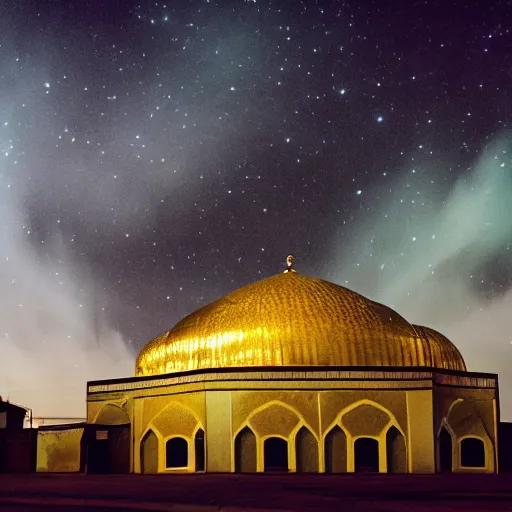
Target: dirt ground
column 247, row 493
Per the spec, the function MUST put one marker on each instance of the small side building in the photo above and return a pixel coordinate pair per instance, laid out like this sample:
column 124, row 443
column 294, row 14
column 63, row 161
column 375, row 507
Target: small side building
column 17, row 445
column 61, row 448
column 83, row 448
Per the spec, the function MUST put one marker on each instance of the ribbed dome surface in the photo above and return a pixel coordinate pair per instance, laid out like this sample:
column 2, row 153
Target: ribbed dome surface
column 293, row 320
column 439, row 351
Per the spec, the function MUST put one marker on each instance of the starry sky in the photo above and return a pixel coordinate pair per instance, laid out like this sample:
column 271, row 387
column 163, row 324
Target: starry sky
column 154, row 157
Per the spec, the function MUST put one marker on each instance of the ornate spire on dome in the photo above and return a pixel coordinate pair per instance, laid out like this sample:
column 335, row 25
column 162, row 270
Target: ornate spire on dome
column 289, row 264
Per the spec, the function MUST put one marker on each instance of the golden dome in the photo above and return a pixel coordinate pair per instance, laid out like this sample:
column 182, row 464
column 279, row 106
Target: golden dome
column 439, row 351
column 293, row 320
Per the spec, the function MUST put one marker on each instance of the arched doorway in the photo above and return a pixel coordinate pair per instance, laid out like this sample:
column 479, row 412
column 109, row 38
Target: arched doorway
column 306, row 451
column 176, row 453
column 366, row 455
column 445, row 451
column 199, row 449
column 149, row 453
column 245, row 451
column 472, row 453
column 275, row 452
column 336, row 451
column 395, row 451
column 108, row 441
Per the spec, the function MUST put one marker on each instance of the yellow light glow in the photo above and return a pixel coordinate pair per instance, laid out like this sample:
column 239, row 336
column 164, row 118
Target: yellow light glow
column 293, row 320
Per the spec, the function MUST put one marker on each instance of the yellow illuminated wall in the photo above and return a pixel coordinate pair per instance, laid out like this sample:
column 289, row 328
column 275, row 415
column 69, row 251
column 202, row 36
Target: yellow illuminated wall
column 320, row 420
column 294, row 320
column 59, row 451
column 468, row 414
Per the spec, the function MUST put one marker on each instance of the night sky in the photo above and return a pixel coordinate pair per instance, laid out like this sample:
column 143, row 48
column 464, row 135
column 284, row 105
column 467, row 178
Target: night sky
column 154, row 157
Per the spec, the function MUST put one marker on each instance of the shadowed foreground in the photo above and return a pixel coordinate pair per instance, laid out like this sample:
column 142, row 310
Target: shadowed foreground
column 237, row 493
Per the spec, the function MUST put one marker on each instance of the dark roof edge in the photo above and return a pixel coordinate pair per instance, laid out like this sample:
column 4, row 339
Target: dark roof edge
column 275, row 369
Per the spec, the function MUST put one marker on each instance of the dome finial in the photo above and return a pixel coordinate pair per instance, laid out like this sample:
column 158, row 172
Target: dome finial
column 289, row 263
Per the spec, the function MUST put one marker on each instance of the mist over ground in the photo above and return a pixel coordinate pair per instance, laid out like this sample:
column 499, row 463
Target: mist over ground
column 440, row 253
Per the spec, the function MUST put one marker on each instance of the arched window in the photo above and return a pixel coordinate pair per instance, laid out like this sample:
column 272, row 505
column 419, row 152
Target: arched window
column 472, row 453
column 176, row 453
column 275, row 454
column 366, row 455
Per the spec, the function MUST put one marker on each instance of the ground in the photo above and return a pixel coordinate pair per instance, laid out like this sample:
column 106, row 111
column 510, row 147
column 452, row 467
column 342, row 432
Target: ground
column 251, row 493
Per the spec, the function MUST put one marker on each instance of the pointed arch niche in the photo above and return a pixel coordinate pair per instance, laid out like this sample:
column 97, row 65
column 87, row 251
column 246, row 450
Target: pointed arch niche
column 335, row 451
column 396, row 455
column 306, row 451
column 176, row 427
column 445, row 451
column 275, row 426
column 149, row 453
column 200, row 449
column 374, row 440
column 245, row 451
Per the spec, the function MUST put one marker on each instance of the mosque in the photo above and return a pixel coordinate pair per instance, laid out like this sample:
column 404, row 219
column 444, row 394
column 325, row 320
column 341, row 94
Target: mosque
column 292, row 374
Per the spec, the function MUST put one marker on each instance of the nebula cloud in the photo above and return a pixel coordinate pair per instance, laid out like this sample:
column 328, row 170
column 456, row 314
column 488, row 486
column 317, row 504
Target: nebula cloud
column 155, row 157
column 436, row 254
column 52, row 339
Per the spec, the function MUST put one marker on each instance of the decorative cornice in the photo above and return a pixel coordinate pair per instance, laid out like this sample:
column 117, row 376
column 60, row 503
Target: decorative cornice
column 367, row 376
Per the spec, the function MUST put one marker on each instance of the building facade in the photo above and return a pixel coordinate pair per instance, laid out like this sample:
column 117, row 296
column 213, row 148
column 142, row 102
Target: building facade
column 295, row 374
column 309, row 420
